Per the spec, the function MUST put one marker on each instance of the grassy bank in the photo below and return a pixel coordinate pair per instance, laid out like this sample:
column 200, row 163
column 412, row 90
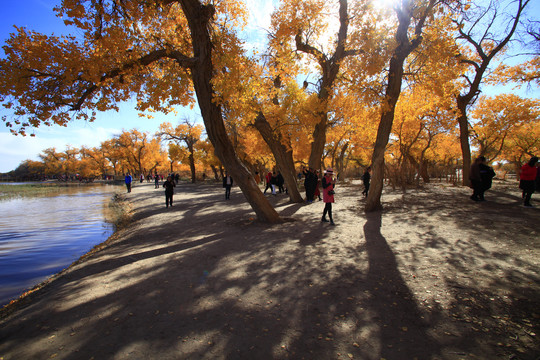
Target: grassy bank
column 27, row 190
column 11, row 191
column 118, row 211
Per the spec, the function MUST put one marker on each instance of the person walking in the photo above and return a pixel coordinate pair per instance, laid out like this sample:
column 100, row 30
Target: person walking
column 128, row 180
column 280, row 182
column 328, row 184
column 366, row 178
column 169, row 190
column 273, row 182
column 227, row 184
column 268, row 179
column 527, row 180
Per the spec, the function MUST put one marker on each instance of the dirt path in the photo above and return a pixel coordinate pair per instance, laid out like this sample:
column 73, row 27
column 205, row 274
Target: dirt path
column 434, row 276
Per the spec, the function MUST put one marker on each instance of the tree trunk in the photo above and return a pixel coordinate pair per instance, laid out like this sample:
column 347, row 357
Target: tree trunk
column 464, row 140
column 191, row 159
column 283, row 155
column 214, row 169
column 480, row 66
column 319, row 142
column 199, row 17
column 330, row 69
column 340, row 161
column 393, row 90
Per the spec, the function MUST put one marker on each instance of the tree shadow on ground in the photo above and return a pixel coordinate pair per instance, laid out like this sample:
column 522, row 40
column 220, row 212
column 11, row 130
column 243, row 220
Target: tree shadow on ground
column 205, row 282
column 486, row 275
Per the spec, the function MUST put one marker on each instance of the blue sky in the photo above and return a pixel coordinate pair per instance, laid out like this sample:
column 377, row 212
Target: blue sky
column 38, row 15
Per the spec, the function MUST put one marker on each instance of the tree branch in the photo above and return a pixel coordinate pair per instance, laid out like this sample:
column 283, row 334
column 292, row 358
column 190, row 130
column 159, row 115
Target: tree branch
column 145, row 60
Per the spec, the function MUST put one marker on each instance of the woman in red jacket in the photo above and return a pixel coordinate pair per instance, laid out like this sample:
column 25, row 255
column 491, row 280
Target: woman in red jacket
column 527, row 178
column 328, row 184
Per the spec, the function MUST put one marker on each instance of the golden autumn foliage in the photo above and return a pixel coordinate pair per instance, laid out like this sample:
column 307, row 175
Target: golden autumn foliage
column 495, row 119
column 322, row 86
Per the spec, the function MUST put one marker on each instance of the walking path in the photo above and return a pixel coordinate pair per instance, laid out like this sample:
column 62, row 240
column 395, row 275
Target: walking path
column 434, row 276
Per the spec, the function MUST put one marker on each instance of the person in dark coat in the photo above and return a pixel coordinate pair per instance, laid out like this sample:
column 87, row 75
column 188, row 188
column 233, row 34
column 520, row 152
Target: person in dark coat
column 227, row 184
column 310, row 183
column 280, row 182
column 274, row 182
column 169, row 190
column 366, row 178
column 481, row 177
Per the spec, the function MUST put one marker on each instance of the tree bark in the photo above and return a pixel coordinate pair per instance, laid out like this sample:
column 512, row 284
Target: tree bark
column 199, row 17
column 464, row 140
column 393, row 90
column 319, row 141
column 191, row 159
column 283, row 155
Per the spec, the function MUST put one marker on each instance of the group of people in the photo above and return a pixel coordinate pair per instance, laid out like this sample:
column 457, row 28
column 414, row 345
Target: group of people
column 274, row 180
column 169, row 184
column 481, row 176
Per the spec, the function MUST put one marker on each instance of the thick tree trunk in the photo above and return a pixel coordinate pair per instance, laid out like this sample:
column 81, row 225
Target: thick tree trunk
column 199, row 17
column 191, row 159
column 464, row 140
column 283, row 155
column 319, row 142
column 192, row 168
column 393, row 90
column 340, row 161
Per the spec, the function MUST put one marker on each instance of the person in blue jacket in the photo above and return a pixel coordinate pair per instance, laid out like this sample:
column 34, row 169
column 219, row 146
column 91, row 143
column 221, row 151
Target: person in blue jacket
column 128, row 180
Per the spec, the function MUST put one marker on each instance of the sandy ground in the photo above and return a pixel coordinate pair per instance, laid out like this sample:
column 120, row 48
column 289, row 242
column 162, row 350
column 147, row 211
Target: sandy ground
column 433, row 276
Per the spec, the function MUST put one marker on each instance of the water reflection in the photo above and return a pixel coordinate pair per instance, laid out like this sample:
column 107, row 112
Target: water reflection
column 41, row 236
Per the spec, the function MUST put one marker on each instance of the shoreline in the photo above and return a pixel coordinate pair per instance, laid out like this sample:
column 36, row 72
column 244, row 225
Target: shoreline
column 118, row 214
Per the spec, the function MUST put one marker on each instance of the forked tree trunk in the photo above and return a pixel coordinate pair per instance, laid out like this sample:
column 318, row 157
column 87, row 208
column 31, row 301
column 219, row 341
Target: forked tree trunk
column 330, row 69
column 199, row 17
column 393, row 90
column 283, row 155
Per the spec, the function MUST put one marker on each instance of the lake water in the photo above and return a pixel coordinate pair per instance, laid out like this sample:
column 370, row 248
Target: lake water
column 41, row 236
